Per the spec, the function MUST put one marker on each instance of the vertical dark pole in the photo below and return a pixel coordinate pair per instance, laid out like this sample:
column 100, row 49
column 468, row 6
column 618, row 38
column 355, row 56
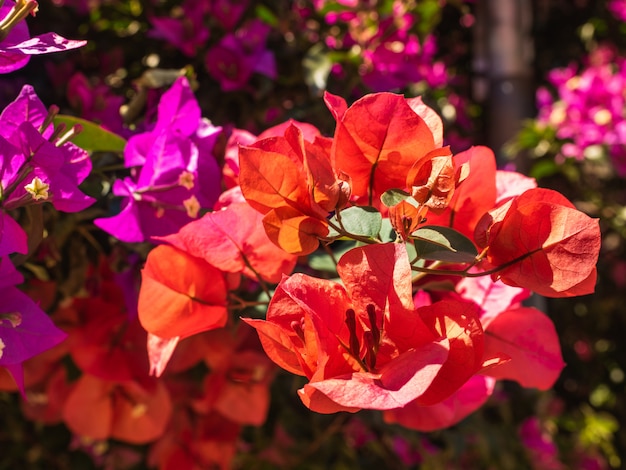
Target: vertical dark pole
column 503, row 65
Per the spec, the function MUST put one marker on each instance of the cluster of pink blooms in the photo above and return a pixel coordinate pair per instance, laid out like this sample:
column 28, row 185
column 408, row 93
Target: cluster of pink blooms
column 239, row 53
column 588, row 112
column 392, row 55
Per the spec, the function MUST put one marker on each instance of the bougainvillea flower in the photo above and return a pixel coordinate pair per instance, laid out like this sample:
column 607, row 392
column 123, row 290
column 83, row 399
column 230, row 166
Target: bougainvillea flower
column 95, row 102
column 223, row 241
column 492, row 297
column 240, row 374
column 13, row 238
column 25, row 329
column 109, row 346
column 291, row 181
column 60, row 169
column 394, row 59
column 587, row 115
column 474, row 196
column 540, row 447
column 238, row 55
column 433, row 180
column 540, row 241
column 522, row 341
column 196, row 442
column 44, row 403
column 467, row 399
column 529, row 339
column 175, row 174
column 188, row 32
column 379, row 138
column 34, row 168
column 102, row 409
column 179, row 306
column 16, row 45
column 241, row 137
column 365, row 345
column 618, row 8
column 228, row 13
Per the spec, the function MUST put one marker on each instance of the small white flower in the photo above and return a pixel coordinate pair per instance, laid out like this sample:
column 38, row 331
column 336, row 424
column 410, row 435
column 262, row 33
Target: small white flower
column 38, row 189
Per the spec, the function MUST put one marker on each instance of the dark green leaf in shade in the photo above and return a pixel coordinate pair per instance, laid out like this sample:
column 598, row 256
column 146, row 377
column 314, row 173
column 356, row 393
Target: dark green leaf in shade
column 443, row 244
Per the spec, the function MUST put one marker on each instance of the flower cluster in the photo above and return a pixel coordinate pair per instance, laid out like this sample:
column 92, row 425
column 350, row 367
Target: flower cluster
column 174, row 174
column 239, row 53
column 391, row 55
column 352, row 341
column 382, row 268
column 385, row 338
column 38, row 165
column 588, row 112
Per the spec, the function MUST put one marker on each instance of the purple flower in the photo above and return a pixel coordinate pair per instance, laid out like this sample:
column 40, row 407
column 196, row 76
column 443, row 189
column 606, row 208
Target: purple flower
column 399, row 60
column 173, row 171
column 36, row 166
column 228, row 13
column 188, row 32
column 16, row 45
column 95, row 102
column 25, row 329
column 34, row 155
column 237, row 56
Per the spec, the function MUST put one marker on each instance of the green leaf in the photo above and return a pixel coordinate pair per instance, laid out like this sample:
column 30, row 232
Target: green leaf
column 543, row 169
column 92, row 138
column 391, row 197
column 322, row 261
column 266, row 15
column 443, row 244
column 387, row 232
column 363, row 221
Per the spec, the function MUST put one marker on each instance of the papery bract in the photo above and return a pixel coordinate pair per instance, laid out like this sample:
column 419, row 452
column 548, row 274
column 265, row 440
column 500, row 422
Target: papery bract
column 95, row 102
column 229, row 13
column 291, row 181
column 16, row 45
column 187, row 32
column 491, row 297
column 238, row 55
column 241, row 137
column 528, row 337
column 474, row 196
column 221, row 239
column 459, row 322
column 196, row 442
column 542, row 242
column 366, row 346
column 25, row 330
column 180, row 305
column 100, row 409
column 175, row 172
column 467, row 399
column 377, row 140
column 110, row 346
column 32, row 161
column 238, row 385
column 433, row 180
